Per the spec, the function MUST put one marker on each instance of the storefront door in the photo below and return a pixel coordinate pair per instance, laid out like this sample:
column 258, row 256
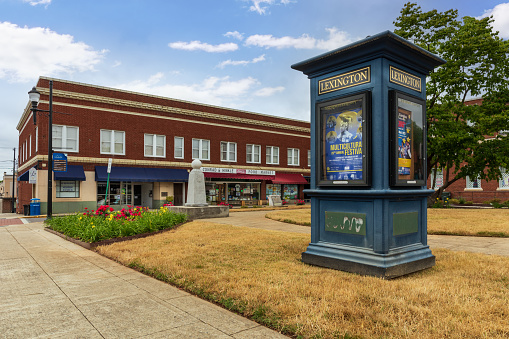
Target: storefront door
column 137, row 195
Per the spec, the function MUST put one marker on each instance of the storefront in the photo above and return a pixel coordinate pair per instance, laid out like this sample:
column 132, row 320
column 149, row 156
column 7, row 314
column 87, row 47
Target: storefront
column 247, row 187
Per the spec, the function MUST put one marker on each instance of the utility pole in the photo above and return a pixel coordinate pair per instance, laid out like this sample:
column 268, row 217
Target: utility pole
column 13, row 176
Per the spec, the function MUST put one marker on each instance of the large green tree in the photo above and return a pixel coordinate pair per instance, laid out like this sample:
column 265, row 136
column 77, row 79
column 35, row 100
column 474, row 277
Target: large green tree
column 463, row 140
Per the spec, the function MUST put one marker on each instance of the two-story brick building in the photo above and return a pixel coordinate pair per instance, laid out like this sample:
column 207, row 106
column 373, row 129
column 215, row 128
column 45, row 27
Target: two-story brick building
column 152, row 141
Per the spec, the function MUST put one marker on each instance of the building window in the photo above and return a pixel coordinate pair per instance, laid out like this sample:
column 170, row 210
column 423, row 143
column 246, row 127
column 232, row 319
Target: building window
column 253, row 153
column 504, row 179
column 112, row 142
column 228, row 151
column 65, row 138
column 437, row 177
column 179, row 148
column 30, row 145
column 155, row 145
column 68, row 189
column 309, row 158
column 272, row 155
column 293, row 157
column 473, row 183
column 201, row 149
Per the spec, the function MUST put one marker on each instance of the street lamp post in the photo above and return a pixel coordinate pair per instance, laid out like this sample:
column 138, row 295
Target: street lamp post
column 34, row 97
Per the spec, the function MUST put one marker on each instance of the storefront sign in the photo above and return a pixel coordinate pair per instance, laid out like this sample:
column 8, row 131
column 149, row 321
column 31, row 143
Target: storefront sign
column 405, row 79
column 350, row 79
column 236, row 171
column 67, row 186
column 342, row 222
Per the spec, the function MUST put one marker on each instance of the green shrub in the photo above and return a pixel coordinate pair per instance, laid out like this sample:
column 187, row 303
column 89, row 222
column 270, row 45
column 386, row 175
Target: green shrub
column 454, row 201
column 462, row 200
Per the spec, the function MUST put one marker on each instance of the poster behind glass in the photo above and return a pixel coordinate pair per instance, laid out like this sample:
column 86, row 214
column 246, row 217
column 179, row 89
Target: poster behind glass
column 344, row 152
column 408, row 140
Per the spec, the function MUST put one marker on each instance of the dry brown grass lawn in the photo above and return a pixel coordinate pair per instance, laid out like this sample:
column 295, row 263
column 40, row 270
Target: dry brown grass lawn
column 259, row 274
column 476, row 222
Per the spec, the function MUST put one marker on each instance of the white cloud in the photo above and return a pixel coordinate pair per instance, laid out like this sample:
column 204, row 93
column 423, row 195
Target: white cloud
column 500, row 14
column 268, row 91
column 117, row 63
column 38, row 2
column 261, row 6
column 202, row 46
column 235, row 35
column 212, row 90
column 28, row 53
column 336, row 39
column 241, row 62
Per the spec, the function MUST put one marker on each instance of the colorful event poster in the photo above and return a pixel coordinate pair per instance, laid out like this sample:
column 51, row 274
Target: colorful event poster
column 404, row 142
column 343, row 141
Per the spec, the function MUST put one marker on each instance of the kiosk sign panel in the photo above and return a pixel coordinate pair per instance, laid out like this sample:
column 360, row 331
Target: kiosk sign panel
column 344, row 134
column 408, row 142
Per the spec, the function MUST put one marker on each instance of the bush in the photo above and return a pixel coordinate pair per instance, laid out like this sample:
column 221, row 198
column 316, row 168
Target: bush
column 93, row 226
column 454, row 201
column 462, row 200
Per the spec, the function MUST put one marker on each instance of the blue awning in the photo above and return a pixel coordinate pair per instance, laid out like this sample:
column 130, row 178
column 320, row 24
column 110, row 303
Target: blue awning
column 141, row 174
column 74, row 172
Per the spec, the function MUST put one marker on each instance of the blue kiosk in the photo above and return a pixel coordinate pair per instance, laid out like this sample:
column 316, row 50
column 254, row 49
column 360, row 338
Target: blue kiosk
column 368, row 157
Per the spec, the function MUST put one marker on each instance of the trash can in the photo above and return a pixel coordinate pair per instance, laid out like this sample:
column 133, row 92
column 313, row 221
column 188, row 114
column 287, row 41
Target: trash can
column 446, row 195
column 26, row 209
column 35, row 206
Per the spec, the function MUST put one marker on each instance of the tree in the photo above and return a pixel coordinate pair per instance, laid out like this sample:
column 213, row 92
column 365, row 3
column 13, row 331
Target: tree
column 463, row 140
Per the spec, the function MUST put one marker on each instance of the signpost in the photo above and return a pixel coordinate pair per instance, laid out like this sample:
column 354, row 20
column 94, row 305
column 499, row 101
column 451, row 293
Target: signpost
column 368, row 155
column 107, row 197
column 32, row 176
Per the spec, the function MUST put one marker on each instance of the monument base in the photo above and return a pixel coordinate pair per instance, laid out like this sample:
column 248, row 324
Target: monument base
column 365, row 262
column 202, row 212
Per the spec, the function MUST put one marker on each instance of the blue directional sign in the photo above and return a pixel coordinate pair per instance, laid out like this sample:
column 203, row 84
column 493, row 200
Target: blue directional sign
column 59, row 162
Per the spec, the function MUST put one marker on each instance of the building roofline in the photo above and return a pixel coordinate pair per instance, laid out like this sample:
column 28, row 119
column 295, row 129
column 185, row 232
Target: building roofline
column 168, row 98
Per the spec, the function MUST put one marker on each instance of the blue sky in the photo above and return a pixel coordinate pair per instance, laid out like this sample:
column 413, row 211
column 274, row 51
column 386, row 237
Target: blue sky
column 231, row 53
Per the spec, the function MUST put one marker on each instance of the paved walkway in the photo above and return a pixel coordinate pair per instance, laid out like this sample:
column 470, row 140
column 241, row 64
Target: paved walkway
column 51, row 288
column 486, row 245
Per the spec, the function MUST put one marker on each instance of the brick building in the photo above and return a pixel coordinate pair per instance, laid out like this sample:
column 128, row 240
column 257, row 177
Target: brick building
column 474, row 189
column 6, row 197
column 152, row 141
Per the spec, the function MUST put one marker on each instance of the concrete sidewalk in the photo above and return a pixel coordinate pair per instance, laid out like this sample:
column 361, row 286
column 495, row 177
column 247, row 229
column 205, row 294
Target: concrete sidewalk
column 51, row 288
column 487, row 245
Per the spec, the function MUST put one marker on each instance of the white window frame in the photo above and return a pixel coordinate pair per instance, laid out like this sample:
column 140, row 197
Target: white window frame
column 470, row 184
column 36, row 139
column 503, row 182
column 112, row 142
column 225, row 155
column 64, row 139
column 309, row 158
column 291, row 156
column 30, row 144
column 154, row 145
column 439, row 173
column 253, row 153
column 200, row 149
column 180, row 148
column 269, row 153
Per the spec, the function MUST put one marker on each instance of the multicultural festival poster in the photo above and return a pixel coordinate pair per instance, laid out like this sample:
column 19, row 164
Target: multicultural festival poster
column 404, row 142
column 343, row 141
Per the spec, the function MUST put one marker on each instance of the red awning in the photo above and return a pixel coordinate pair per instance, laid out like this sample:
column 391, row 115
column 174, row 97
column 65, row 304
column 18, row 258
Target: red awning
column 239, row 176
column 289, row 178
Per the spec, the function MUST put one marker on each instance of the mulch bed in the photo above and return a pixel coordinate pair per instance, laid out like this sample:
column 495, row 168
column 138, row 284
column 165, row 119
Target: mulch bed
column 92, row 245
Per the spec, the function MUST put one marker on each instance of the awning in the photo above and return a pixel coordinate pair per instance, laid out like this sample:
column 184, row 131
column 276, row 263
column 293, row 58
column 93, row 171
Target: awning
column 238, row 176
column 74, row 172
column 289, row 178
column 141, row 174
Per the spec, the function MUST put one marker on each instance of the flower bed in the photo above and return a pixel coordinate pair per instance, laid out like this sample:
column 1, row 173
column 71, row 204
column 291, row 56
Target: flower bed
column 104, row 223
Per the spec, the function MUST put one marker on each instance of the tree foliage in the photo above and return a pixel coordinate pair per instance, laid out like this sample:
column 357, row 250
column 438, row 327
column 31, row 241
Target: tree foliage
column 463, row 140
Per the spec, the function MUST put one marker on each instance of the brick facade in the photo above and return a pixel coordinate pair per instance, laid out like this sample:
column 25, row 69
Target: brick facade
column 92, row 108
